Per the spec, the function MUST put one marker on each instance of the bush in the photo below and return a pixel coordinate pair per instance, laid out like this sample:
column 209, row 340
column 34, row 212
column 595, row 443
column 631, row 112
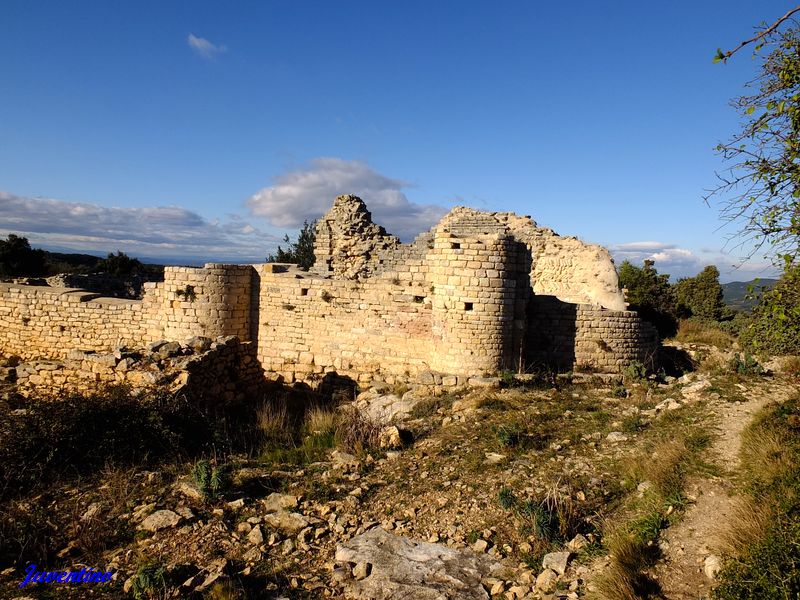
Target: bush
column 745, row 365
column 650, row 294
column 211, row 480
column 80, row 434
column 775, row 324
column 635, row 371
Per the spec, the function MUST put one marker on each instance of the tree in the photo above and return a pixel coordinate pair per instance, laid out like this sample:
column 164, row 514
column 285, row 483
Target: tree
column 764, row 178
column 18, row 259
column 761, row 187
column 300, row 252
column 119, row 265
column 774, row 327
column 700, row 296
column 650, row 294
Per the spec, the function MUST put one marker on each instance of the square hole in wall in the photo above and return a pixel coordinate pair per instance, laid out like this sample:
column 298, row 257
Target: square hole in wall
column 455, row 246
column 304, row 291
column 467, row 305
column 419, row 299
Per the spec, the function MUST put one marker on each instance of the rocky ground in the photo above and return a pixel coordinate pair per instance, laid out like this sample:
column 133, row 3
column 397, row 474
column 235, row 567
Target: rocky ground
column 492, row 493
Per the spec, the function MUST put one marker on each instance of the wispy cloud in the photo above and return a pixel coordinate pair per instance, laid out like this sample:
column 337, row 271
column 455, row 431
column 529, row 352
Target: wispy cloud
column 163, row 231
column 683, row 262
column 204, row 47
column 307, row 193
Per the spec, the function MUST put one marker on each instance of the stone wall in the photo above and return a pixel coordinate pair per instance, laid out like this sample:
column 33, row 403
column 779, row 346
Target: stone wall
column 41, row 321
column 566, row 337
column 469, row 297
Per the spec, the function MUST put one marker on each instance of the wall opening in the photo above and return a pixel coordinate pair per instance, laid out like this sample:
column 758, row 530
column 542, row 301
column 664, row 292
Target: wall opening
column 467, row 305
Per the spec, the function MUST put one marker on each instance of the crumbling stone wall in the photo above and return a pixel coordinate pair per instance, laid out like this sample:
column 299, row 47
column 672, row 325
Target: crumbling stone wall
column 212, row 372
column 41, row 321
column 348, row 244
column 469, row 297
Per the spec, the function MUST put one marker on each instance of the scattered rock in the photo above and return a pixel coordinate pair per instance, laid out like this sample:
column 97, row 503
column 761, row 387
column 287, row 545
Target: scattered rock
column 391, row 438
column 288, row 522
column 362, row 570
column 616, row 436
column 276, row 502
column 256, row 536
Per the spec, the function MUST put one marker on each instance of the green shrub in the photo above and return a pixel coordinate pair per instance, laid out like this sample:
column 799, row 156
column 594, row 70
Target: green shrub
column 635, row 371
column 746, row 364
column 211, row 480
column 149, row 582
column 775, row 324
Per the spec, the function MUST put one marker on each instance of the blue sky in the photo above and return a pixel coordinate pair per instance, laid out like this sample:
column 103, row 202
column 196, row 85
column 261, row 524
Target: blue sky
column 206, row 130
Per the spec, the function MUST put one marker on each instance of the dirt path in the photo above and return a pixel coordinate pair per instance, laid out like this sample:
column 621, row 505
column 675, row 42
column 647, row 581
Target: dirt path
column 687, row 545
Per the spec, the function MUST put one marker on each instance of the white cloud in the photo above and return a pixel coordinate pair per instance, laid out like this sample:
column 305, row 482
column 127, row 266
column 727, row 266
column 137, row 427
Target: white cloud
column 205, row 48
column 307, row 193
column 158, row 232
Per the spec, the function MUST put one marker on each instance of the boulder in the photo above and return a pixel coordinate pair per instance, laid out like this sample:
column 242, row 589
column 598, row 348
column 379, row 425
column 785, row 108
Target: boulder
column 396, row 567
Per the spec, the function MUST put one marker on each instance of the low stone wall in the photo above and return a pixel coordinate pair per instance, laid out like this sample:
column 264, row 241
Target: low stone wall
column 212, row 372
column 41, row 321
column 566, row 337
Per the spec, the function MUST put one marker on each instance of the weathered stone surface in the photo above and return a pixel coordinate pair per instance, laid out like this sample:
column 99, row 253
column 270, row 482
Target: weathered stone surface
column 161, row 519
column 401, row 568
column 276, row 502
column 288, row 522
column 556, row 561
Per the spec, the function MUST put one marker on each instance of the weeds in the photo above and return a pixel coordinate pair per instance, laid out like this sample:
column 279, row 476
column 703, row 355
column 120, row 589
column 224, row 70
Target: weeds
column 149, row 583
column 745, row 364
column 211, row 479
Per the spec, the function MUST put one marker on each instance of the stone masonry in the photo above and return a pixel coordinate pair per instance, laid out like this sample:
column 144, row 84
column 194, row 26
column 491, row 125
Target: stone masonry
column 477, row 294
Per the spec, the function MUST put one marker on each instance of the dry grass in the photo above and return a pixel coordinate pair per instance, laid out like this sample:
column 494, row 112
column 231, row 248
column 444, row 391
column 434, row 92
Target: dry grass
column 747, row 525
column 766, row 455
column 321, row 421
column 624, row 579
column 355, row 432
column 272, row 420
column 696, row 332
column 790, row 366
column 663, row 467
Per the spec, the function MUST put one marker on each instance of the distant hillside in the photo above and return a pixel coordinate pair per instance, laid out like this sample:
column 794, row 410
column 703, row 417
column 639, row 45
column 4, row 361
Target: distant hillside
column 735, row 293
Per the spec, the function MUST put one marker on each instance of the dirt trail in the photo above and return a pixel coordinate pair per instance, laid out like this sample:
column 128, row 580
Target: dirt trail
column 686, row 545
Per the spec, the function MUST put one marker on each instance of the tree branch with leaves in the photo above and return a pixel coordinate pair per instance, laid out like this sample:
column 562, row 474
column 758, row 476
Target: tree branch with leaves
column 760, row 190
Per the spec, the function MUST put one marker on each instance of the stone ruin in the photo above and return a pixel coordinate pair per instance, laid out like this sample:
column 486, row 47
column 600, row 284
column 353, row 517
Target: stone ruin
column 478, row 294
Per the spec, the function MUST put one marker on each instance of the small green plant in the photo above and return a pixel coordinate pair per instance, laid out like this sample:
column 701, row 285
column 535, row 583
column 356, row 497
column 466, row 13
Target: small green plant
column 509, row 436
column 188, row 293
column 619, row 390
column 746, row 365
column 506, row 498
column 149, row 582
column 211, row 480
column 635, row 371
column 508, row 378
column 326, row 296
